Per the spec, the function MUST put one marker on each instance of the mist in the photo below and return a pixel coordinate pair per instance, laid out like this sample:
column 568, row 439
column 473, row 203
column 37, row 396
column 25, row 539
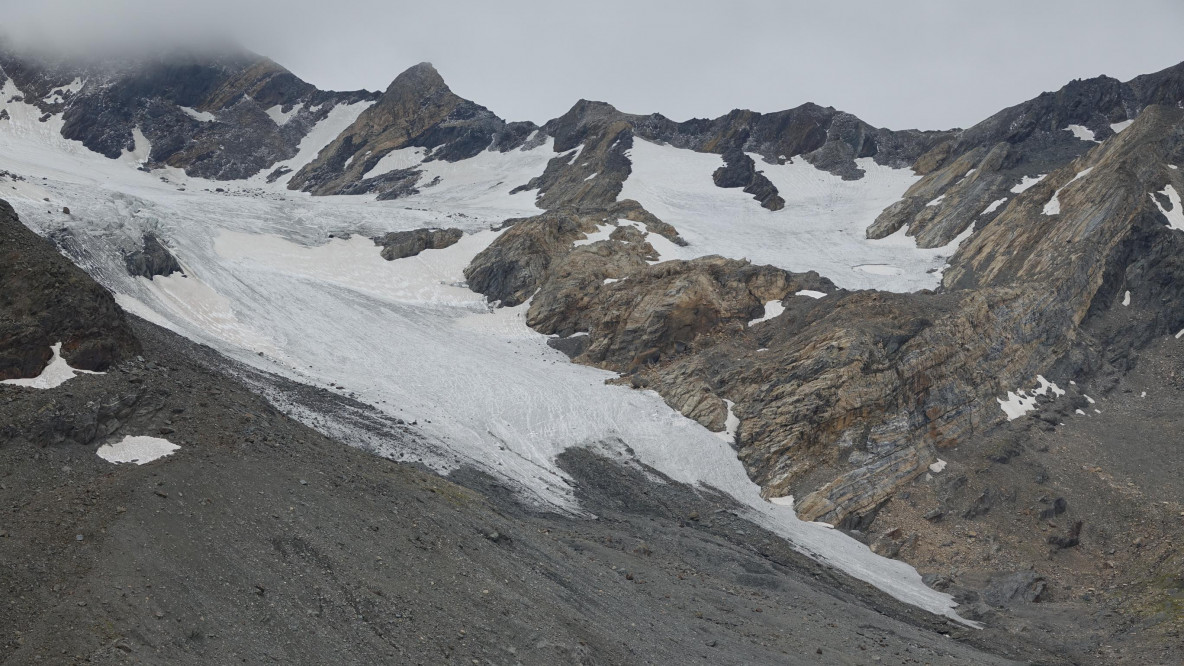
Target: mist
column 918, row 63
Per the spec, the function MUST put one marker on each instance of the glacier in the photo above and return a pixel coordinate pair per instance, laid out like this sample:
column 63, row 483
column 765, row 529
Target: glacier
column 291, row 285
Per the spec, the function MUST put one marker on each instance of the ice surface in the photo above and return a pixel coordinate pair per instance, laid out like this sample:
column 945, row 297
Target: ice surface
column 410, row 340
column 138, row 450
column 55, row 374
column 822, row 227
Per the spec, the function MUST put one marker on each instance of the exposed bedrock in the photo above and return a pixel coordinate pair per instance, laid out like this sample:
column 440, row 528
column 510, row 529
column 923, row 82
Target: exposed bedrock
column 844, row 398
column 970, row 177
column 416, row 110
column 152, row 259
column 402, row 244
column 44, row 300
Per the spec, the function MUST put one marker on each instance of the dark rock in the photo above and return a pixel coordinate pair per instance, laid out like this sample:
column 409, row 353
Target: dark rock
column 152, row 260
column 44, row 300
column 1009, row 589
column 401, row 244
column 1069, row 540
column 1058, row 507
column 740, row 171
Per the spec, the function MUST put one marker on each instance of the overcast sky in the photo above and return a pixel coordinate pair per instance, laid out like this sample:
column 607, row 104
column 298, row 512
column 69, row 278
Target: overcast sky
column 909, row 63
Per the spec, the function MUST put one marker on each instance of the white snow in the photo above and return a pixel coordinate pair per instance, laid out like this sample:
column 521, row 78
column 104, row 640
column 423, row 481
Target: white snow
column 1143, row 394
column 938, row 466
column 1126, row 300
column 994, row 206
column 138, row 450
column 1091, row 400
column 55, row 374
column 1082, row 132
column 277, row 114
column 403, row 158
column 822, row 227
column 1175, row 216
column 936, row 201
column 731, row 425
column 1180, row 333
column 1021, row 402
column 74, row 87
column 1118, row 127
column 1053, row 207
column 772, row 309
column 1079, row 412
column 811, row 293
column 1027, row 182
column 139, row 154
column 786, row 501
column 611, row 280
column 410, row 340
column 319, row 137
column 203, row 116
column 602, row 233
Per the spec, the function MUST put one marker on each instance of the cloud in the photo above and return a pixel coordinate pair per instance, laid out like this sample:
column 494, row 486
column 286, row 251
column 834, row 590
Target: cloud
column 908, row 63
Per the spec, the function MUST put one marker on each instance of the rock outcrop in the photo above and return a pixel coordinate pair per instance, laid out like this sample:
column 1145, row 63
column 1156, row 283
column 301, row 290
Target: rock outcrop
column 207, row 114
column 971, row 176
column 152, row 260
column 44, row 300
column 402, row 244
column 418, row 110
column 845, row 398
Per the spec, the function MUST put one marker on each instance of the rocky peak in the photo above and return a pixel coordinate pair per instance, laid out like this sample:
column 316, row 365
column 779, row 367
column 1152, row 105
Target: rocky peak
column 417, row 110
column 1027, row 140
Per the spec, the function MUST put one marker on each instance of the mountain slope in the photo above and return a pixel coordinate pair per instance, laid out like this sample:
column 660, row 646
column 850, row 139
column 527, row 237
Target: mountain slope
column 915, row 387
column 971, row 175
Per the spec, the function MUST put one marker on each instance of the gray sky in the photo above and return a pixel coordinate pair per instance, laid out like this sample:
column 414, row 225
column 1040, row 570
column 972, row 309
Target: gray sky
column 906, row 63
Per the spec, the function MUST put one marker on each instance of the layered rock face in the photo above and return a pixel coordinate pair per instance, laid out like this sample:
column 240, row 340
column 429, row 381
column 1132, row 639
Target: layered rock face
column 843, row 399
column 44, row 300
column 972, row 175
column 829, row 139
column 418, row 110
column 206, row 114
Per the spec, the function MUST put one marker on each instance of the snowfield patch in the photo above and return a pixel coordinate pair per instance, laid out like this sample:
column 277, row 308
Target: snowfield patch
column 55, row 374
column 772, row 309
column 138, row 450
column 822, row 226
column 1021, row 402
